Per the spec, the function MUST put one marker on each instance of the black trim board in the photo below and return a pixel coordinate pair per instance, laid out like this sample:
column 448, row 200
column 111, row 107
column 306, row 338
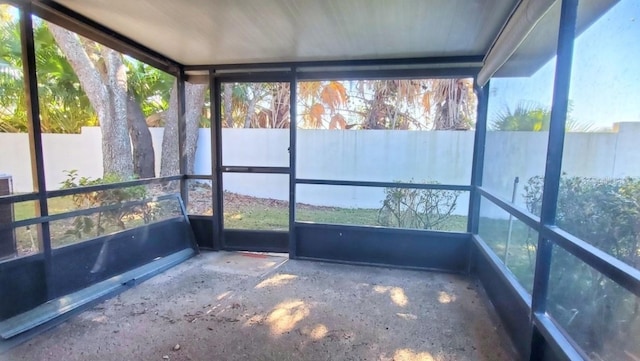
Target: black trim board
column 429, row 250
column 255, row 241
column 23, row 285
column 474, row 59
column 78, row 266
column 202, row 227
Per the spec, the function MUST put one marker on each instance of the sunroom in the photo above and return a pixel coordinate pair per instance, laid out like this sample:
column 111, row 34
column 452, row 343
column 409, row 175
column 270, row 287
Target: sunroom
column 486, row 142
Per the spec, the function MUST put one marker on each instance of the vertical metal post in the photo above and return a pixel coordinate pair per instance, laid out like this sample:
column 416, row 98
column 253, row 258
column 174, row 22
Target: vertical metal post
column 553, row 169
column 182, row 134
column 293, row 125
column 216, row 162
column 510, row 229
column 473, row 219
column 35, row 138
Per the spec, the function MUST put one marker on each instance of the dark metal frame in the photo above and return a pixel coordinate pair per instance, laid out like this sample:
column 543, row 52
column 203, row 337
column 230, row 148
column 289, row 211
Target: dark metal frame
column 469, row 61
column 35, row 135
column 478, row 157
column 543, row 333
column 547, row 339
column 293, row 146
column 237, row 239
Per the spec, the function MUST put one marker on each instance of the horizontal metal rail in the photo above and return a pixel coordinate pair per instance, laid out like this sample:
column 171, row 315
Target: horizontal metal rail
column 383, row 229
column 255, row 77
column 82, row 212
column 16, row 198
column 525, row 216
column 265, row 170
column 200, row 177
column 452, row 60
column 449, row 187
column 388, row 73
column 103, row 187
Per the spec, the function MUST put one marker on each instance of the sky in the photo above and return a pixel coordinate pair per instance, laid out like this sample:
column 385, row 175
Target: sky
column 605, row 81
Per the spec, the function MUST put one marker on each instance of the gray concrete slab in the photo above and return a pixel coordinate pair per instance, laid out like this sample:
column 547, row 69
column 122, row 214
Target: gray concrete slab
column 233, row 306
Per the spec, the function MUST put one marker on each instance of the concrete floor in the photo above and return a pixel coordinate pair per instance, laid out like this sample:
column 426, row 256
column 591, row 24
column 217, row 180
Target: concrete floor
column 236, row 306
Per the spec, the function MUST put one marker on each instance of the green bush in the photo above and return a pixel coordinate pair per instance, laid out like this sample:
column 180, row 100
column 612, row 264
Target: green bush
column 417, row 208
column 603, row 212
column 107, row 220
column 598, row 313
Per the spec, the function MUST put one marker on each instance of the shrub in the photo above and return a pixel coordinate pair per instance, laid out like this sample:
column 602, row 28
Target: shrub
column 596, row 311
column 106, row 219
column 417, row 208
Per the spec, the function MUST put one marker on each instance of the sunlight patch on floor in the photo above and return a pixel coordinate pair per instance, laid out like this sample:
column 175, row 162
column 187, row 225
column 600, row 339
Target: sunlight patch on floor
column 223, row 295
column 319, row 331
column 445, row 297
column 407, row 316
column 277, row 280
column 286, row 316
column 406, row 354
column 396, row 293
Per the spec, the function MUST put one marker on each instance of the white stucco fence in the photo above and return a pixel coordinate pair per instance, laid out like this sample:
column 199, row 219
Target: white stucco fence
column 367, row 155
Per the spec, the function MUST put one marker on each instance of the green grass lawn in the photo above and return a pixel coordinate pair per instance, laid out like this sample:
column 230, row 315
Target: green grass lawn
column 27, row 210
column 277, row 218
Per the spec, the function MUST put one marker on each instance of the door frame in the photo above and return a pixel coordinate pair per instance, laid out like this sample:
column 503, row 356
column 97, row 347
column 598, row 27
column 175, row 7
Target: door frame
column 251, row 240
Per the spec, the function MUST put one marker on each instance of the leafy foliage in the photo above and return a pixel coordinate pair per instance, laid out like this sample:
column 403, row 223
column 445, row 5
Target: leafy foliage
column 403, row 104
column 531, row 117
column 64, row 106
column 417, row 208
column 525, row 117
column 111, row 219
column 149, row 86
column 605, row 213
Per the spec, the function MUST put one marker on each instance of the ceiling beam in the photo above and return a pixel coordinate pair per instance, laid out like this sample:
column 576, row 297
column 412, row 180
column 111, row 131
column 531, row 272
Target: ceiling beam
column 449, row 61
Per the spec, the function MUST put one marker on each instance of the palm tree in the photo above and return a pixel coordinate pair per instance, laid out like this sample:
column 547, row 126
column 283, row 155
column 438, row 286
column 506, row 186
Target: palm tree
column 525, row 117
column 531, row 117
column 388, row 104
column 64, row 105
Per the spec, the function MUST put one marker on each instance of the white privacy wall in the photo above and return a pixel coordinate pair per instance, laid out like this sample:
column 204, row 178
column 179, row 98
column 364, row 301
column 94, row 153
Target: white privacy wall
column 366, row 155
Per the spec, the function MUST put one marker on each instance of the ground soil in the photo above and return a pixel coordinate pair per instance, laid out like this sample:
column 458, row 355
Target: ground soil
column 200, row 202
column 234, row 306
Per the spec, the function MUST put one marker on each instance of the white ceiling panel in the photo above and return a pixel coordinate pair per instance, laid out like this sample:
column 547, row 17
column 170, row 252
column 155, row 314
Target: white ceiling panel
column 196, row 32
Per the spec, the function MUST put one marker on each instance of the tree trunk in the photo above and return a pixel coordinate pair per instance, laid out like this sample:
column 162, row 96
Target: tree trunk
column 169, row 159
column 195, row 101
column 451, row 99
column 116, row 145
column 228, row 105
column 251, row 108
column 142, row 145
column 108, row 98
column 170, row 155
